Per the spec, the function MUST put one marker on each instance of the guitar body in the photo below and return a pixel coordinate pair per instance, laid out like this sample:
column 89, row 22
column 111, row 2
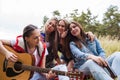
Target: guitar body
column 21, row 70
column 8, row 70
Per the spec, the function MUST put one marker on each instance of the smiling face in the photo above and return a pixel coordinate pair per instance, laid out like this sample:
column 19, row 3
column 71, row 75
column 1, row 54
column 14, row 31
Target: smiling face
column 75, row 30
column 61, row 27
column 50, row 26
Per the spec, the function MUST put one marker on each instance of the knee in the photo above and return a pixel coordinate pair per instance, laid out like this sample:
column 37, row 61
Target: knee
column 90, row 62
column 92, row 66
column 117, row 58
column 116, row 54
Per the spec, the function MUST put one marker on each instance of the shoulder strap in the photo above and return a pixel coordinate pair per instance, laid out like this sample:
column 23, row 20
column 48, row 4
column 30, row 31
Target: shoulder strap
column 43, row 53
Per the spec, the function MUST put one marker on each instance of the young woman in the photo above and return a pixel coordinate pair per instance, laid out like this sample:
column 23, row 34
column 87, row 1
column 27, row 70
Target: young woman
column 66, row 57
column 89, row 56
column 56, row 33
column 52, row 43
column 51, row 39
column 30, row 43
column 55, row 37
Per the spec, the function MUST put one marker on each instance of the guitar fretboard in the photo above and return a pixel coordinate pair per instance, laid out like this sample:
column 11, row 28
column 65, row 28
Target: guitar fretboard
column 42, row 70
column 46, row 70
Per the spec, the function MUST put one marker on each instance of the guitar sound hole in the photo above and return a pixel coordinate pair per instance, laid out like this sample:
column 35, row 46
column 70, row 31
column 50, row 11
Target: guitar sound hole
column 18, row 66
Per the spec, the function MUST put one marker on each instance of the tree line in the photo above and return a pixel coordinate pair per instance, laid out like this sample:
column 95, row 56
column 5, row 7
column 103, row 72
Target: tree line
column 109, row 26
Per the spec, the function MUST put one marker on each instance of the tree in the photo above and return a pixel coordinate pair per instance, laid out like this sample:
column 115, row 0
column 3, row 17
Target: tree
column 88, row 21
column 45, row 18
column 111, row 22
column 56, row 13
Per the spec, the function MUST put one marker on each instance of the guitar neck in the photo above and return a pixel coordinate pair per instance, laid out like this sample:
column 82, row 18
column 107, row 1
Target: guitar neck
column 43, row 70
column 111, row 71
column 46, row 70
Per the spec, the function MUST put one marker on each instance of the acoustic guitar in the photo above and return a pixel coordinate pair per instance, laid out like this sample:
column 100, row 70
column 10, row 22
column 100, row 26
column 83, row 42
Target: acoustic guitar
column 21, row 70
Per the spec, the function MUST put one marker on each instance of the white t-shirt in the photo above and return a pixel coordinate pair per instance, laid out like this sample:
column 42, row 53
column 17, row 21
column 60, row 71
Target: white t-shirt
column 35, row 53
column 37, row 58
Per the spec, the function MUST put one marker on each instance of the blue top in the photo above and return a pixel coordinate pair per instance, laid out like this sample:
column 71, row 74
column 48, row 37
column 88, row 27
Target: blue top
column 42, row 36
column 81, row 54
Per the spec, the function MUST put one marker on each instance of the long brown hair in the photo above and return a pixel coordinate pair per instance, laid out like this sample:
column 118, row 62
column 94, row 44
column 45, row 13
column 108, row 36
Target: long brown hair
column 64, row 46
column 27, row 32
column 82, row 34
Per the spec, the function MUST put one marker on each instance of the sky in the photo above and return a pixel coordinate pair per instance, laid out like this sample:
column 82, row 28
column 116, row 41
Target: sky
column 16, row 14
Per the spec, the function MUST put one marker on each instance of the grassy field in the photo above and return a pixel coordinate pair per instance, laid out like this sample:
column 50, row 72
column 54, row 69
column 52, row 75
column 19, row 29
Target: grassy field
column 110, row 45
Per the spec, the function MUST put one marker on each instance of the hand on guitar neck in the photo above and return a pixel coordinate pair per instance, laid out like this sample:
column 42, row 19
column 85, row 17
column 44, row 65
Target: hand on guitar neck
column 111, row 71
column 50, row 75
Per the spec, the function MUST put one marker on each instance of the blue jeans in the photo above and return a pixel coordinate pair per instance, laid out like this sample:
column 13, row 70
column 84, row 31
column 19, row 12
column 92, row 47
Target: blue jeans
column 98, row 72
column 114, row 62
column 91, row 67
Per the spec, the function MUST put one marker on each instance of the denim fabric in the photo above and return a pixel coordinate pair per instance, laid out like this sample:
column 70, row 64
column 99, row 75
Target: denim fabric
column 89, row 66
column 97, row 71
column 81, row 54
column 114, row 62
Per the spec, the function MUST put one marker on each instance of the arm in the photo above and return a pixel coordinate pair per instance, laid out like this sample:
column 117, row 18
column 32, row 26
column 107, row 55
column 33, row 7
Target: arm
column 78, row 54
column 70, row 65
column 4, row 51
column 100, row 59
column 90, row 35
column 81, row 55
column 58, row 60
column 99, row 49
column 48, row 75
column 64, row 34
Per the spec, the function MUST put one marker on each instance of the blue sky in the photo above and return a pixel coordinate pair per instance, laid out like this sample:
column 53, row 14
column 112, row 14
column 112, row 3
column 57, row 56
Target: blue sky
column 15, row 14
